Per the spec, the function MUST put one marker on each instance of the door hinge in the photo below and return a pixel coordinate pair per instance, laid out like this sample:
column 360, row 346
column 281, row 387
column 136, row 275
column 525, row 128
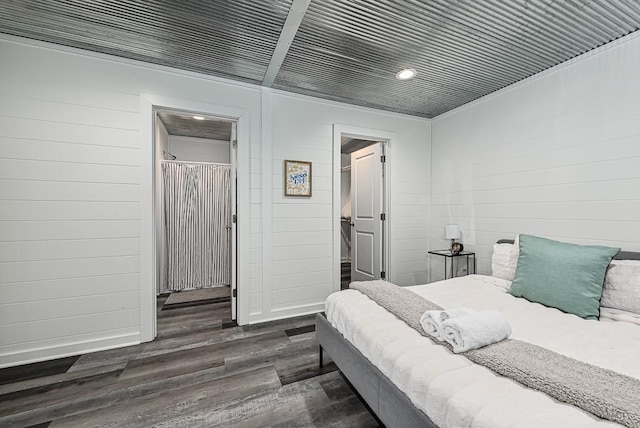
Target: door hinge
column 234, row 144
column 234, row 218
column 383, row 158
column 235, row 292
column 383, row 275
column 383, row 216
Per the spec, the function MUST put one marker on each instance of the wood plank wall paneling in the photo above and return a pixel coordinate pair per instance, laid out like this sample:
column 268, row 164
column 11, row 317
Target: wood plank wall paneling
column 556, row 155
column 84, row 114
column 20, row 292
column 299, row 279
column 70, row 195
column 48, row 229
column 69, row 214
column 302, row 228
column 311, row 251
column 67, row 249
column 51, row 331
column 42, row 190
column 53, row 151
column 69, row 307
column 69, row 133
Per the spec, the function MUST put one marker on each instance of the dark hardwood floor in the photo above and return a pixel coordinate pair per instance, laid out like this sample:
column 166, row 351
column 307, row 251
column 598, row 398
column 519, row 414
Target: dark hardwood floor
column 201, row 371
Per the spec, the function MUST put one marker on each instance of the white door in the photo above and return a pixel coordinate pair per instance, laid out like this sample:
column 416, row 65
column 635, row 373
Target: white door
column 233, row 226
column 366, row 211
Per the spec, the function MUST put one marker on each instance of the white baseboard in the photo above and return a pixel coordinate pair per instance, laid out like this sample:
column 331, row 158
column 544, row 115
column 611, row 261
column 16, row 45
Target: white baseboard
column 278, row 314
column 66, row 350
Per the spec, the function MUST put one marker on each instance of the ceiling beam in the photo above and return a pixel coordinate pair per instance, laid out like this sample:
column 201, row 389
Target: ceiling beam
column 289, row 30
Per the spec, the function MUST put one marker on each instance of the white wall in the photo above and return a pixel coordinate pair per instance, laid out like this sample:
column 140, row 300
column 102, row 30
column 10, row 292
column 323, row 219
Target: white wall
column 297, row 233
column 74, row 188
column 76, row 192
column 557, row 155
column 199, row 149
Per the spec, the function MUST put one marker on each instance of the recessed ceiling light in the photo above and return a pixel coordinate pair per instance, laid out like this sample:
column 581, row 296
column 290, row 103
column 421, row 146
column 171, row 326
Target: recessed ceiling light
column 406, row 74
column 198, row 117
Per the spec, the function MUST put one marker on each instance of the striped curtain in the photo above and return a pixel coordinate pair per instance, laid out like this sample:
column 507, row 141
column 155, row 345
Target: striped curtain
column 197, row 207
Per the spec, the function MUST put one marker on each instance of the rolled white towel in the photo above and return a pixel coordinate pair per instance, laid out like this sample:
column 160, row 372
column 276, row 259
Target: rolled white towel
column 473, row 331
column 431, row 321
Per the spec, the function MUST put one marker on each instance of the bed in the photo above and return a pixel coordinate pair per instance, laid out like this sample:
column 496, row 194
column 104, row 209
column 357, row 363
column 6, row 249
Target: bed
column 409, row 380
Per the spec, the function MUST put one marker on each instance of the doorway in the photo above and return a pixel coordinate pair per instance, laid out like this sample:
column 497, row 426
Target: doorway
column 195, row 212
column 363, row 208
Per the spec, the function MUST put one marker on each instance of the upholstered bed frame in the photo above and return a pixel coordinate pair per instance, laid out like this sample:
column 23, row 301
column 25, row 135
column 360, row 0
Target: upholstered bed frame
column 389, row 404
column 622, row 255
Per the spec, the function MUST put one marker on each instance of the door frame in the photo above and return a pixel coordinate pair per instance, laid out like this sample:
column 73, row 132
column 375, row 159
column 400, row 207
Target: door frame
column 233, row 202
column 148, row 280
column 387, row 138
column 233, row 161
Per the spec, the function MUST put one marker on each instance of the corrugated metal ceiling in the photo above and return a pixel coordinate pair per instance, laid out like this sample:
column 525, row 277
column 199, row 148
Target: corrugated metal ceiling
column 233, row 39
column 462, row 50
column 345, row 50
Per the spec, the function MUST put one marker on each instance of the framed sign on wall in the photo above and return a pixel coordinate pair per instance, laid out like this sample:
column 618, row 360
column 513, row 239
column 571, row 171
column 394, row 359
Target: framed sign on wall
column 297, row 178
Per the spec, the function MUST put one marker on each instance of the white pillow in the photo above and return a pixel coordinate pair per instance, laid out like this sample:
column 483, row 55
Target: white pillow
column 500, row 283
column 622, row 286
column 504, row 261
column 608, row 314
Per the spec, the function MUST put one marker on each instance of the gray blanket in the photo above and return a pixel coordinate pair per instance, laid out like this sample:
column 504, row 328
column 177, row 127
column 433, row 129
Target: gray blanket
column 604, row 393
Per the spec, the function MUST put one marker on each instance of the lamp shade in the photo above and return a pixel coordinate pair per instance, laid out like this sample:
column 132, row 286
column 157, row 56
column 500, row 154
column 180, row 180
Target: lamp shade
column 452, row 231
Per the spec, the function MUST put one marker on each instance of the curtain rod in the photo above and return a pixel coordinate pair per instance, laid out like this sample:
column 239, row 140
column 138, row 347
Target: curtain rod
column 195, row 163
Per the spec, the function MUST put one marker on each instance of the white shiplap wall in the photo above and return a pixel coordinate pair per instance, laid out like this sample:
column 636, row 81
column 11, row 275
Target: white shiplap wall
column 76, row 191
column 71, row 194
column 301, row 230
column 556, row 155
column 69, row 213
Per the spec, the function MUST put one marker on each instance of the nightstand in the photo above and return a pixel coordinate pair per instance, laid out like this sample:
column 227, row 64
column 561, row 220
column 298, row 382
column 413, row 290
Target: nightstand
column 449, row 258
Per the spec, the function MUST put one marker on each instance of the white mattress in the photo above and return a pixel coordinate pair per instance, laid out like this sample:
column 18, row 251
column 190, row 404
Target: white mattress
column 457, row 393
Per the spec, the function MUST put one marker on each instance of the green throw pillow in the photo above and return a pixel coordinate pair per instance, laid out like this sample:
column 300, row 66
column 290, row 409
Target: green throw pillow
column 565, row 276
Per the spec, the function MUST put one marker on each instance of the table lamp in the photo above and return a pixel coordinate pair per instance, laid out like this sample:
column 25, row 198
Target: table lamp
column 452, row 231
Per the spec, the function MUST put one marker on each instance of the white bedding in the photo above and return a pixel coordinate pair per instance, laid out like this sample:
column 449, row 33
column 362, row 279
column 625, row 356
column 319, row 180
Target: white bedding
column 457, row 393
